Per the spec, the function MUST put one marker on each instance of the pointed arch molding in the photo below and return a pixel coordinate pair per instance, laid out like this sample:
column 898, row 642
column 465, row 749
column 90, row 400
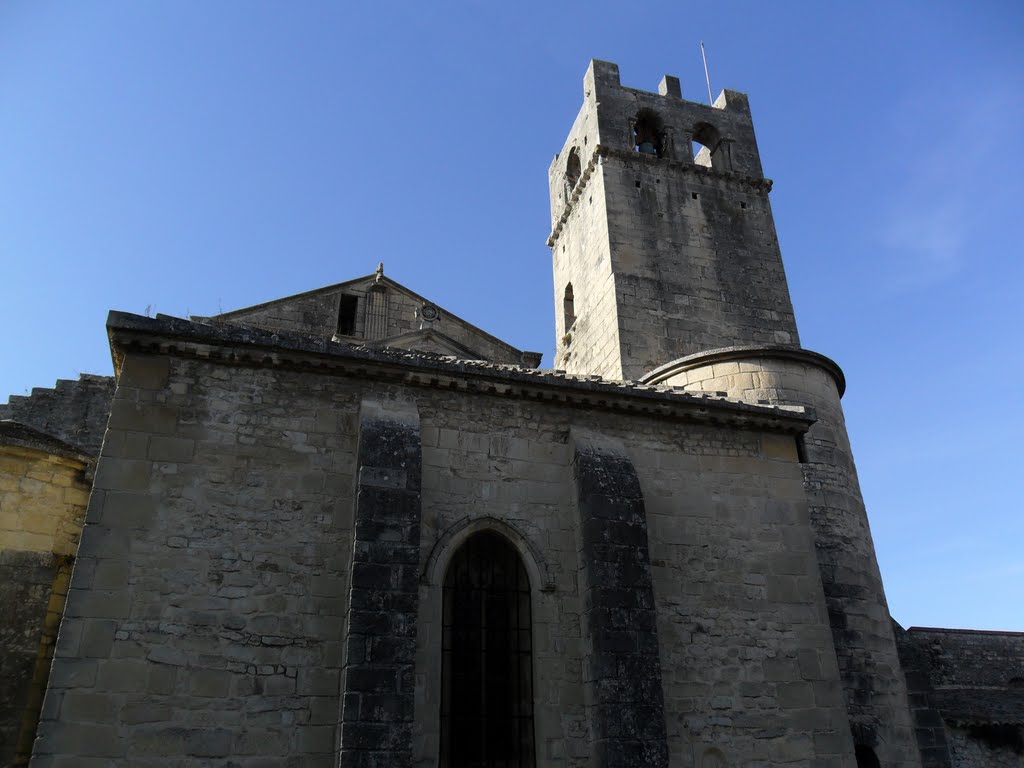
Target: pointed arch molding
column 442, row 551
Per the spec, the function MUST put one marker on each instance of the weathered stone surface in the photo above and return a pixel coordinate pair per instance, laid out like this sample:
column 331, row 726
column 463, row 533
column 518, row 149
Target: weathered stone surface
column 378, row 687
column 43, row 492
column 974, row 682
column 622, row 673
column 929, row 728
column 214, row 567
column 877, row 704
column 74, row 411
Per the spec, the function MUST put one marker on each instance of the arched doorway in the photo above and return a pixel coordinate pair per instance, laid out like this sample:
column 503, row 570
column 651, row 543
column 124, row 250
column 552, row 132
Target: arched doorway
column 486, row 665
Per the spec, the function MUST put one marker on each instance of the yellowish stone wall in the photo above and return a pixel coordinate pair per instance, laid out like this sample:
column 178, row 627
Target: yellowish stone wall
column 42, row 501
column 42, row 508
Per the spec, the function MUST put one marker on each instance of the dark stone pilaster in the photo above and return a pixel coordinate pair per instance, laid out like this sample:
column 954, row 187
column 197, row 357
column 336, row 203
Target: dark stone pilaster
column 929, row 728
column 625, row 704
column 378, row 680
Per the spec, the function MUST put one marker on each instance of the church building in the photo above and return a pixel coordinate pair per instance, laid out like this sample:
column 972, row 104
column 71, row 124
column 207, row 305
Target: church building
column 350, row 528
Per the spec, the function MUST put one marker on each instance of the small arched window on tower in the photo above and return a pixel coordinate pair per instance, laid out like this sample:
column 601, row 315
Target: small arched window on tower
column 486, row 668
column 568, row 308
column 573, row 171
column 706, row 142
column 649, row 133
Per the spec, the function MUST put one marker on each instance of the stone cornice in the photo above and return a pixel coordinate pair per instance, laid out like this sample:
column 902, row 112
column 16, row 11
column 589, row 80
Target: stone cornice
column 18, row 435
column 733, row 354
column 762, row 185
column 232, row 345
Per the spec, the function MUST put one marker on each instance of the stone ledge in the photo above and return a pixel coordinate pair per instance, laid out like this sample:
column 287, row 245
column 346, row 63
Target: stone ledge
column 975, row 706
column 732, row 354
column 955, row 631
column 236, row 345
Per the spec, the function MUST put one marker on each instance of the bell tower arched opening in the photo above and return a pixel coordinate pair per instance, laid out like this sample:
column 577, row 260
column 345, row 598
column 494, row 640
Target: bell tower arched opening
column 649, row 133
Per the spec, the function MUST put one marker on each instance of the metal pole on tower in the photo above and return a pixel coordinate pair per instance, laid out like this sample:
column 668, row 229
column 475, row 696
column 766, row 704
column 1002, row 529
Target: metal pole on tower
column 707, row 77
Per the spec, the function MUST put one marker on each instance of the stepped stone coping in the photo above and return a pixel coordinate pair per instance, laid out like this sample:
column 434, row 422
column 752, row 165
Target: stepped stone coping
column 237, row 345
column 61, row 385
column 733, row 354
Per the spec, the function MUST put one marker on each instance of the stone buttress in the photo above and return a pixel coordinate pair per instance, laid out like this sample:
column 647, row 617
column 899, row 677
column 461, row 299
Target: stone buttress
column 380, row 644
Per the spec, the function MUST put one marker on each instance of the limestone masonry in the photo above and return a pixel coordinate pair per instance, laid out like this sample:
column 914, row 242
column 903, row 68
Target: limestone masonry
column 348, row 528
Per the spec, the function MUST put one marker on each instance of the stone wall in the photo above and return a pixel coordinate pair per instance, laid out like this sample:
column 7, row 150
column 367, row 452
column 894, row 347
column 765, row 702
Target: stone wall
column 74, row 411
column 929, row 728
column 869, row 663
column 42, row 504
column 580, row 258
column 962, row 658
column 588, row 343
column 696, row 259
column 977, row 679
column 213, row 568
column 748, row 669
column 219, row 562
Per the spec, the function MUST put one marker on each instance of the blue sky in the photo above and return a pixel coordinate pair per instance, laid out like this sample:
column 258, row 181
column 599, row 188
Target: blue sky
column 187, row 157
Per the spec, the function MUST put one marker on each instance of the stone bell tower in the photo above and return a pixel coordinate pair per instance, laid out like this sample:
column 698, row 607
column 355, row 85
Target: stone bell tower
column 667, row 270
column 657, row 253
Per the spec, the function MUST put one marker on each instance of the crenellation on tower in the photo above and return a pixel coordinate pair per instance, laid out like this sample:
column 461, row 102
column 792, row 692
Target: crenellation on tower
column 670, row 86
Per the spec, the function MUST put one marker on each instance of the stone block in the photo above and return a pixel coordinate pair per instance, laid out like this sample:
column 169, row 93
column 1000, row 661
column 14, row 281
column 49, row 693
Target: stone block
column 123, row 475
column 160, row 680
column 83, row 740
column 127, row 510
column 209, row 682
column 131, row 416
column 97, row 638
column 91, row 603
column 318, row 682
column 122, row 675
column 208, row 742
column 171, row 449
column 323, row 710
column 275, row 685
column 72, row 673
column 315, row 739
column 79, row 706
column 144, row 371
column 136, row 712
column 158, row 740
column 269, row 744
column 795, row 695
column 110, row 574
